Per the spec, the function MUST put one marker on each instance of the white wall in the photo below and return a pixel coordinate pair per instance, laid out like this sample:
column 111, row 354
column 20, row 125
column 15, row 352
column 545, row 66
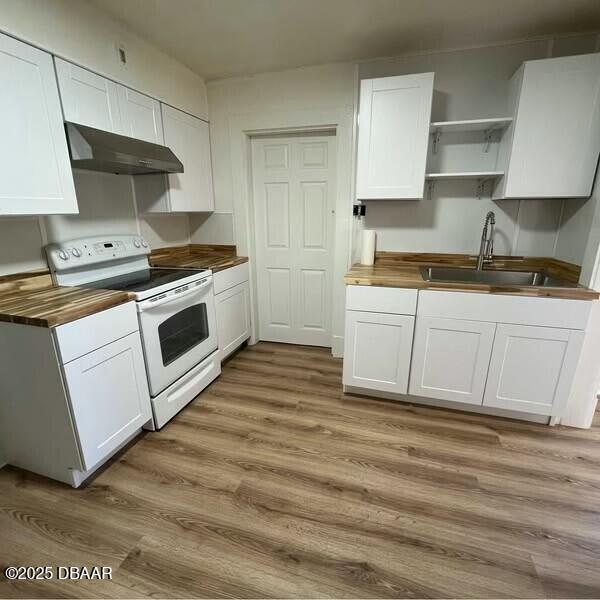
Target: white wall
column 77, row 31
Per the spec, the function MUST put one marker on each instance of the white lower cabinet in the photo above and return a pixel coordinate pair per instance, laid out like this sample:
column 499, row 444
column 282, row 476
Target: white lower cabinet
column 509, row 353
column 87, row 397
column 233, row 318
column 377, row 350
column 108, row 393
column 532, row 368
column 450, row 359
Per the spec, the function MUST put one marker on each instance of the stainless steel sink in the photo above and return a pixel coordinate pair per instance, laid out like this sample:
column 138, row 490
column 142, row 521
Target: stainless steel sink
column 518, row 278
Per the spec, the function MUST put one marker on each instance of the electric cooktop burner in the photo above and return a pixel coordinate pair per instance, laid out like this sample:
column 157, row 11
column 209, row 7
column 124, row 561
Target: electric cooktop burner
column 141, row 281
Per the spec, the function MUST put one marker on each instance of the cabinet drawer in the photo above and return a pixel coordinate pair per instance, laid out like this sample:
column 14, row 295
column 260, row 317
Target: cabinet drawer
column 396, row 301
column 90, row 333
column 227, row 278
column 518, row 310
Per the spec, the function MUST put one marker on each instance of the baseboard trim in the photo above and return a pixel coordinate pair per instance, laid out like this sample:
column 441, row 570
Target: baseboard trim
column 482, row 410
column 337, row 346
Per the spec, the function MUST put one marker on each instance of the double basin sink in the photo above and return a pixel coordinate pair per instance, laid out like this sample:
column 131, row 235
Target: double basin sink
column 491, row 277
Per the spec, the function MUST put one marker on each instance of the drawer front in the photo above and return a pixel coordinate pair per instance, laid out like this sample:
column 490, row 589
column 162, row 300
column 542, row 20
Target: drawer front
column 227, row 278
column 168, row 403
column 90, row 333
column 517, row 310
column 395, row 301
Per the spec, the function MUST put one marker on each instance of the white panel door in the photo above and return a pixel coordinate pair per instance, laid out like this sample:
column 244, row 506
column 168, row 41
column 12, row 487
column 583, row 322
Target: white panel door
column 393, row 136
column 189, row 138
column 36, row 170
column 532, row 368
column 233, row 318
column 294, row 198
column 451, row 358
column 109, row 396
column 556, row 137
column 88, row 98
column 377, row 349
column 140, row 115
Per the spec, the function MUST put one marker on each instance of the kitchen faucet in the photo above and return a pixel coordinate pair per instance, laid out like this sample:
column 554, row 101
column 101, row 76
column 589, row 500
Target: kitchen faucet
column 486, row 250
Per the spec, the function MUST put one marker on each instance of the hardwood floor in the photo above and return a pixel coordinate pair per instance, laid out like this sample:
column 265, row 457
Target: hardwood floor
column 274, row 484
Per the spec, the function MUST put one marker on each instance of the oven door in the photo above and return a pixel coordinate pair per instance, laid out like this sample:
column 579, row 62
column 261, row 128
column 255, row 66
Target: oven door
column 178, row 331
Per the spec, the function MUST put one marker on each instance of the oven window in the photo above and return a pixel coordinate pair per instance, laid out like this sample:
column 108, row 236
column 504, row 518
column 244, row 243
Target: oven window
column 182, row 331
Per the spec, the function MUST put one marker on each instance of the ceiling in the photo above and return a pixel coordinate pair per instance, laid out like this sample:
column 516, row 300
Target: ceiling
column 223, row 38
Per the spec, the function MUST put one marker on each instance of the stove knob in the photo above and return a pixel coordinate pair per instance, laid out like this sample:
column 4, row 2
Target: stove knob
column 62, row 254
column 136, row 243
column 76, row 252
column 144, row 243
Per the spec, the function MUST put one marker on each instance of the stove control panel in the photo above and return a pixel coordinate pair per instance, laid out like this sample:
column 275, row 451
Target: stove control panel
column 85, row 252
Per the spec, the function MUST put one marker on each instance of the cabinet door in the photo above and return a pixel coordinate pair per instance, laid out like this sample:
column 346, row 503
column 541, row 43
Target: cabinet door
column 393, row 135
column 87, row 98
column 36, row 170
column 140, row 116
column 377, row 348
column 451, row 359
column 109, row 396
column 233, row 318
column 532, row 368
column 556, row 137
column 188, row 138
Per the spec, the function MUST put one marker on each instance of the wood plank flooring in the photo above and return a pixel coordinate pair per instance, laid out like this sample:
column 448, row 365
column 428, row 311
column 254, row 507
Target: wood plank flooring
column 273, row 483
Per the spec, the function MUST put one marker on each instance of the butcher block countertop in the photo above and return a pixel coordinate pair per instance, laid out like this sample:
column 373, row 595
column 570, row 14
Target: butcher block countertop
column 31, row 299
column 402, row 269
column 197, row 256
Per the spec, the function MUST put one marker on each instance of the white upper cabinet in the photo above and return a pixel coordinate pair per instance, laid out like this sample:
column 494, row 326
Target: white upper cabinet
column 393, row 135
column 140, row 115
column 554, row 140
column 36, row 171
column 88, row 98
column 188, row 137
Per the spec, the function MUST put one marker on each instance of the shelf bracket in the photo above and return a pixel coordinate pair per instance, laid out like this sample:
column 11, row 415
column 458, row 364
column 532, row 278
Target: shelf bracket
column 481, row 187
column 488, row 137
column 430, row 188
column 435, row 140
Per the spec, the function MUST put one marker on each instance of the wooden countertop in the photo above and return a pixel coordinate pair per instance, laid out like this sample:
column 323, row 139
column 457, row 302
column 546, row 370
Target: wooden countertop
column 399, row 269
column 51, row 306
column 197, row 256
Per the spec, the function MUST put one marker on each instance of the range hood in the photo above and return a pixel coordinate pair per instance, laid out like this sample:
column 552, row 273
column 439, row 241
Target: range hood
column 97, row 150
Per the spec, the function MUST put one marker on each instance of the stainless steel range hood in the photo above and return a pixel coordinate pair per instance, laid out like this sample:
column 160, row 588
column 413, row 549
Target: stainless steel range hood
column 98, row 150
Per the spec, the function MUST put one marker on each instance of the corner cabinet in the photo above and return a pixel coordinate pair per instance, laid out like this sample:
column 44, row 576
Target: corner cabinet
column 393, row 136
column 33, row 136
column 554, row 141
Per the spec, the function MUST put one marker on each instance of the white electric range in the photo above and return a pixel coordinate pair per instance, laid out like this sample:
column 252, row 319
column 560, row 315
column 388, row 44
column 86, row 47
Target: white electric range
column 175, row 307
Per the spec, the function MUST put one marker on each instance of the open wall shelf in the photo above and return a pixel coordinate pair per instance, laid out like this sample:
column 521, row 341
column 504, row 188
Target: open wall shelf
column 470, row 125
column 465, row 175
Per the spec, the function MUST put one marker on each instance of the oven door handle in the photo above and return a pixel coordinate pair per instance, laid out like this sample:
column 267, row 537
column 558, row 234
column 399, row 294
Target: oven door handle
column 172, row 296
